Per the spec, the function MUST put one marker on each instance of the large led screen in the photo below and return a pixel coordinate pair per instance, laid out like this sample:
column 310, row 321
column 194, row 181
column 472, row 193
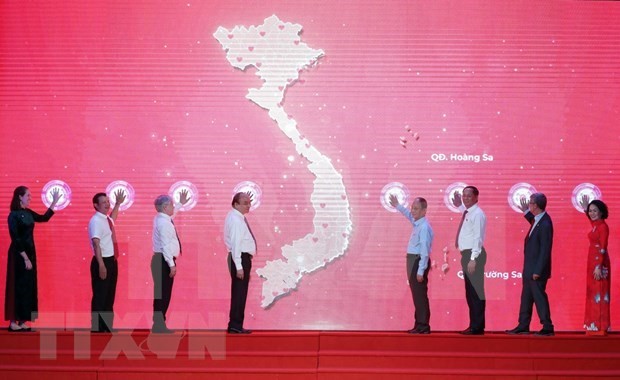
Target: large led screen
column 321, row 109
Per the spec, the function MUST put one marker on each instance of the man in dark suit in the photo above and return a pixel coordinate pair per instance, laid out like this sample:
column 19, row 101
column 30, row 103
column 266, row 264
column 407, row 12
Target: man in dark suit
column 536, row 267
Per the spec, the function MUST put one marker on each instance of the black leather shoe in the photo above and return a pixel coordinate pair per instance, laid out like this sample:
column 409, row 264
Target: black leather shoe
column 234, row 330
column 518, row 331
column 25, row 327
column 161, row 330
column 544, row 332
column 102, row 331
column 472, row 332
column 419, row 331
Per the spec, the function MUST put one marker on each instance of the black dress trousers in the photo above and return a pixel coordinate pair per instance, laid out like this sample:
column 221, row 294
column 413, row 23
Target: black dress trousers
column 238, row 290
column 162, row 289
column 474, row 289
column 104, row 292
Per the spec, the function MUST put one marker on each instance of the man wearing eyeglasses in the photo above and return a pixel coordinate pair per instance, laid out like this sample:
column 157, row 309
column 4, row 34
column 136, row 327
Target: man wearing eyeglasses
column 418, row 252
column 536, row 266
column 241, row 246
column 470, row 242
column 166, row 250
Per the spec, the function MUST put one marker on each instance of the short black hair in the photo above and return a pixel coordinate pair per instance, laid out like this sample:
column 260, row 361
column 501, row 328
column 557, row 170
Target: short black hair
column 474, row 189
column 96, row 198
column 601, row 206
column 540, row 200
column 237, row 198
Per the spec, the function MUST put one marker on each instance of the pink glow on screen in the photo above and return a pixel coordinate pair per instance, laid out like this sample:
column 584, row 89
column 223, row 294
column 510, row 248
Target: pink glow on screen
column 491, row 94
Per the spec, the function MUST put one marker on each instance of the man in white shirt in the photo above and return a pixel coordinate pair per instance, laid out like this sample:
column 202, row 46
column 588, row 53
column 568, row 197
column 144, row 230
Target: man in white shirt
column 241, row 247
column 418, row 252
column 166, row 249
column 469, row 241
column 104, row 264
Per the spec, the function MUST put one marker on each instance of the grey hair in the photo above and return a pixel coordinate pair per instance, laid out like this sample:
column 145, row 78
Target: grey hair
column 540, row 200
column 162, row 201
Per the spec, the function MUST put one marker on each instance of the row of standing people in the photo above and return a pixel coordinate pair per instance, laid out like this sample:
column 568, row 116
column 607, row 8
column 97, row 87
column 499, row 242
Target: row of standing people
column 538, row 243
column 21, row 298
column 21, row 302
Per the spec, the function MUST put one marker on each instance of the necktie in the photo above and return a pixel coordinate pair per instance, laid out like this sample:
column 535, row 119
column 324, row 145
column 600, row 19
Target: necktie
column 458, row 232
column 249, row 229
column 529, row 232
column 176, row 233
column 114, row 241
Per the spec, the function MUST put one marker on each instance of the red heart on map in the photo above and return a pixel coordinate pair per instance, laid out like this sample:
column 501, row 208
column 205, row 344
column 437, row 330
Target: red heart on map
column 344, row 235
column 251, row 48
column 230, row 36
column 322, row 205
column 262, row 33
column 325, row 225
column 343, row 196
column 315, row 239
column 239, row 59
column 258, row 64
column 281, row 27
column 280, row 88
column 296, row 42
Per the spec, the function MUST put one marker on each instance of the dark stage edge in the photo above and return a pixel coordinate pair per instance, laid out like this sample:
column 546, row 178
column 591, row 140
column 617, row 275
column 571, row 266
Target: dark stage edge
column 198, row 354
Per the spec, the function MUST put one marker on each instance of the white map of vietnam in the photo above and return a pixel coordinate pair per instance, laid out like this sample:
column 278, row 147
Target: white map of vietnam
column 276, row 50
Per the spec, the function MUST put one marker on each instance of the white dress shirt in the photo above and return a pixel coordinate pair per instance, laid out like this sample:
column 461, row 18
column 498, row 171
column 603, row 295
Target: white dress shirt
column 99, row 228
column 537, row 219
column 473, row 231
column 165, row 239
column 237, row 237
column 421, row 239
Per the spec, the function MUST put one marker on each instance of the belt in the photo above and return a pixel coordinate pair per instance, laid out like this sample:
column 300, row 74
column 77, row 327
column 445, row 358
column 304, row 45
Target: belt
column 243, row 253
column 161, row 254
column 416, row 255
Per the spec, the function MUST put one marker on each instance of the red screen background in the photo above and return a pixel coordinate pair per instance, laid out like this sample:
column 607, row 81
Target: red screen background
column 93, row 92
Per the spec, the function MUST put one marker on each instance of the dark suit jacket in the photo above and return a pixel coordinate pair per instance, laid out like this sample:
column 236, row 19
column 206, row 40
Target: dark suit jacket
column 538, row 248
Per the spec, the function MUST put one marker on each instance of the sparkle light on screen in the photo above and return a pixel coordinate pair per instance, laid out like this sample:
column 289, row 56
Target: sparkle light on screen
column 321, row 110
